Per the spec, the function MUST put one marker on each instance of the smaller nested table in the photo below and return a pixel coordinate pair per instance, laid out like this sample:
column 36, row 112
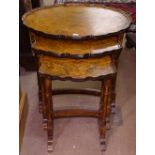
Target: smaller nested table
column 76, row 42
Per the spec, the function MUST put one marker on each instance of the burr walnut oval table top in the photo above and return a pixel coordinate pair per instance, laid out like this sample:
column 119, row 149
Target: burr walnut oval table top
column 77, row 21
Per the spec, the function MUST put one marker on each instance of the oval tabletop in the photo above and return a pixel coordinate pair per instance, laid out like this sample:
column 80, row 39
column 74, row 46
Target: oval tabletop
column 77, row 21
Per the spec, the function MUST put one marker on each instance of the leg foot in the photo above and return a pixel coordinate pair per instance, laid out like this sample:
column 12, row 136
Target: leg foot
column 50, row 146
column 103, row 144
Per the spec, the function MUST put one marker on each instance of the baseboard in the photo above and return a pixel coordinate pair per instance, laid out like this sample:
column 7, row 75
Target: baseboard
column 23, row 109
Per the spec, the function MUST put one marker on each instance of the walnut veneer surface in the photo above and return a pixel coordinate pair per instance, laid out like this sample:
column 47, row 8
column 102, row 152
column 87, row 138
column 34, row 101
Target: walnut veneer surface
column 76, row 21
column 76, row 69
column 74, row 47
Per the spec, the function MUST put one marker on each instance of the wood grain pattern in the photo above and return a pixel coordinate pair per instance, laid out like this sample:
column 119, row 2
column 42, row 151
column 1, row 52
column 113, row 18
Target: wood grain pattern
column 77, row 21
column 75, row 113
column 76, row 69
column 73, row 48
column 104, row 103
column 49, row 104
column 44, row 101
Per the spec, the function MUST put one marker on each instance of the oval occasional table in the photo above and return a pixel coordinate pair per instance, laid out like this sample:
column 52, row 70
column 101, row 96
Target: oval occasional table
column 76, row 42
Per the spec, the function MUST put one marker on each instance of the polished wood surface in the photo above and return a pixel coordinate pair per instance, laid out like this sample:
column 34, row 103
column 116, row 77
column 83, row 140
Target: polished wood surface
column 103, row 110
column 72, row 48
column 75, row 113
column 77, row 21
column 49, row 108
column 76, row 69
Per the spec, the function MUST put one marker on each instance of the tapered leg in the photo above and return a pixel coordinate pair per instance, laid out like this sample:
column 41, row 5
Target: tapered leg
column 48, row 96
column 44, row 102
column 113, row 95
column 108, row 110
column 105, row 101
column 115, row 58
column 40, row 94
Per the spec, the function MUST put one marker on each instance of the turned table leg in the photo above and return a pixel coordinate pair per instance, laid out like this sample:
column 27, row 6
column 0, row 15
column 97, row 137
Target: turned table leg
column 113, row 96
column 104, row 103
column 44, row 102
column 40, row 94
column 115, row 59
column 48, row 96
column 109, row 96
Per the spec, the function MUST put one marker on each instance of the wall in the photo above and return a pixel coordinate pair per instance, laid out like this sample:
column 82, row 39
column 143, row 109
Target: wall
column 47, row 2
